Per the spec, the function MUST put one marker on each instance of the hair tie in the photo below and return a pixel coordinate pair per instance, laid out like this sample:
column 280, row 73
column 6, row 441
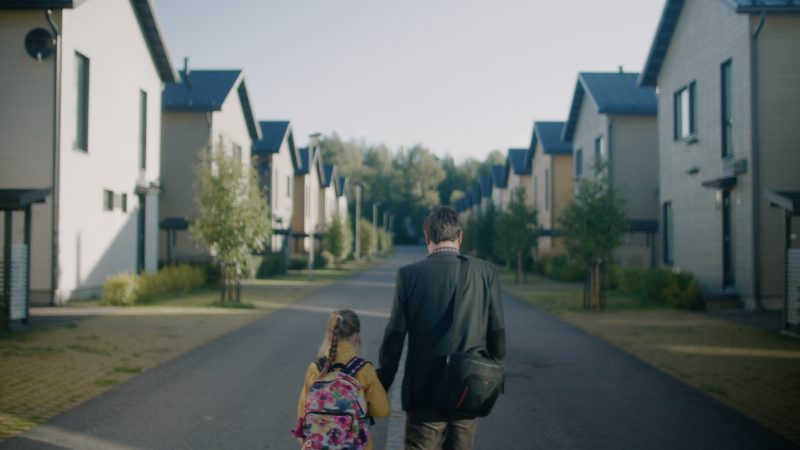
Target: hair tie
column 340, row 318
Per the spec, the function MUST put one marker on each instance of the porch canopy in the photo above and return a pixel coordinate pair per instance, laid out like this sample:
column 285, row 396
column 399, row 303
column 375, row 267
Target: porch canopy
column 15, row 268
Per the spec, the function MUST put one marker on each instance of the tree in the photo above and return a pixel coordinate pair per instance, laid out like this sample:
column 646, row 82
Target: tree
column 594, row 223
column 517, row 229
column 369, row 237
column 233, row 219
column 486, row 242
column 338, row 239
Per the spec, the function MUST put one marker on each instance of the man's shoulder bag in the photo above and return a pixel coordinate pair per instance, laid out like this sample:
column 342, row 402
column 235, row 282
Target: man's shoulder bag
column 472, row 380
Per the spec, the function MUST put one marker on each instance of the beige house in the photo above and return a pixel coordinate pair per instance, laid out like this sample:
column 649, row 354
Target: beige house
column 306, row 223
column 499, row 191
column 82, row 117
column 276, row 158
column 550, row 160
column 726, row 73
column 613, row 121
column 517, row 174
column 207, row 107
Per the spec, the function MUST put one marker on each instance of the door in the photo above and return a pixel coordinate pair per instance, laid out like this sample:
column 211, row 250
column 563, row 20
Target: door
column 140, row 231
column 727, row 241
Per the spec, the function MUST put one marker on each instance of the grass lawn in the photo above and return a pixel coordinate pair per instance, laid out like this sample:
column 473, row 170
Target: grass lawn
column 754, row 371
column 47, row 371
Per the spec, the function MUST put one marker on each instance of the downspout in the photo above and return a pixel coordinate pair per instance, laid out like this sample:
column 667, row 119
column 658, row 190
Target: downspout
column 756, row 165
column 610, row 152
column 54, row 275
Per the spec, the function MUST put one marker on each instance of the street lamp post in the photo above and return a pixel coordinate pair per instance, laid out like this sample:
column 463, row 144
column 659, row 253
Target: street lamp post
column 313, row 142
column 358, row 222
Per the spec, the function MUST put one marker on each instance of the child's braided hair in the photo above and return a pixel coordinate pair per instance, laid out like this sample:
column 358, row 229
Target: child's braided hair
column 342, row 324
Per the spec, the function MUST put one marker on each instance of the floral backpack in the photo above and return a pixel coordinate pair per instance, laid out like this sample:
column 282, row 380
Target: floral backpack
column 336, row 411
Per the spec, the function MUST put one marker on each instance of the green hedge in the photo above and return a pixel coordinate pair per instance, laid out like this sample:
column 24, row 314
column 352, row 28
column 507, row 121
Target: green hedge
column 300, row 261
column 266, row 266
column 679, row 290
column 560, row 268
column 125, row 289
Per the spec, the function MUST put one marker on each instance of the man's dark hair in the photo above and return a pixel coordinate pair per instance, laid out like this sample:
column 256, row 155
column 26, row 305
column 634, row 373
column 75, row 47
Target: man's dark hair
column 443, row 224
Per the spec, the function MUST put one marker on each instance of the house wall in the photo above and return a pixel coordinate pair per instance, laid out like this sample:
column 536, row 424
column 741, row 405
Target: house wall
column 500, row 197
column 563, row 193
column 281, row 192
column 184, row 135
column 590, row 126
column 779, row 97
column 635, row 163
column 306, row 208
column 543, row 162
column 707, row 35
column 26, row 125
column 93, row 243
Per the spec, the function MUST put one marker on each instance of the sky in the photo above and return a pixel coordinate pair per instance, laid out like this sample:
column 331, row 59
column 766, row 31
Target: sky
column 459, row 77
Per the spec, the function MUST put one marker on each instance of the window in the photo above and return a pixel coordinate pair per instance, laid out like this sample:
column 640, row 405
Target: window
column 684, row 116
column 142, row 129
column 598, row 150
column 81, row 103
column 124, row 202
column 546, row 189
column 578, row 163
column 108, row 200
column 727, row 110
column 237, row 154
column 669, row 233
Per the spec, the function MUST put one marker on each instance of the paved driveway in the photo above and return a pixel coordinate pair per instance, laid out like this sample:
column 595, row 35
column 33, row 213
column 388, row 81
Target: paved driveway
column 565, row 389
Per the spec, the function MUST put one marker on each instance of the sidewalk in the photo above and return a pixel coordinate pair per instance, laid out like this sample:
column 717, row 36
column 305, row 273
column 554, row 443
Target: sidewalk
column 754, row 371
column 86, row 349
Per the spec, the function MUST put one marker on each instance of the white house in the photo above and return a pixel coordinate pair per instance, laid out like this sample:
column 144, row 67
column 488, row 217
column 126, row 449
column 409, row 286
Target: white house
column 343, row 197
column 308, row 178
column 328, row 194
column 277, row 159
column 208, row 107
column 613, row 121
column 500, row 196
column 726, row 73
column 516, row 174
column 83, row 117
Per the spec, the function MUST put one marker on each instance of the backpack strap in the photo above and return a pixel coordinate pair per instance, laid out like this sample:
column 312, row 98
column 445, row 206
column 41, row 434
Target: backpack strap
column 354, row 366
column 321, row 363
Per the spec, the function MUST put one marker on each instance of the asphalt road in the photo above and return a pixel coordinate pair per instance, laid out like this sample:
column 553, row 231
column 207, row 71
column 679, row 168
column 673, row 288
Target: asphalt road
column 565, row 389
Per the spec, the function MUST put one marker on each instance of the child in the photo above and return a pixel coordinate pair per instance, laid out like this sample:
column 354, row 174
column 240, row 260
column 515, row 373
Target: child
column 339, row 355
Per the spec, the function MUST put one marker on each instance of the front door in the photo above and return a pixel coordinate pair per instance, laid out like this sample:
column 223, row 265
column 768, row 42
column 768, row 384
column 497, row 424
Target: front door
column 140, row 235
column 727, row 241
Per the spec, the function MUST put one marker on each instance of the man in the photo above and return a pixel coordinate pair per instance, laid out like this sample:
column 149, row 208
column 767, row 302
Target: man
column 423, row 306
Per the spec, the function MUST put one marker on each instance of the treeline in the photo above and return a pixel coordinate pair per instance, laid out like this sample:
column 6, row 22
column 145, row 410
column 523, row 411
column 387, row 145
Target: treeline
column 408, row 182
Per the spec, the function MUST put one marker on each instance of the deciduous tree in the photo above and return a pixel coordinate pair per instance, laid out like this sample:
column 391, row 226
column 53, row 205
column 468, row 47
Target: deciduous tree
column 517, row 229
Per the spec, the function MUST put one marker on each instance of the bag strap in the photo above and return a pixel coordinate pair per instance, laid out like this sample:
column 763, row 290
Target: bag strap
column 462, row 281
column 321, row 364
column 354, row 366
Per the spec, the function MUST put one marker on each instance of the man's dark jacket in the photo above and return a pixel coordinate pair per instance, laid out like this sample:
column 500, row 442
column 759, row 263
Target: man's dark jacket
column 423, row 306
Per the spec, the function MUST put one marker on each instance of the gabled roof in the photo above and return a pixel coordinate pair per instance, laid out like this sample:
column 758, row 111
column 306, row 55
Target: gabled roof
column 516, row 162
column 273, row 134
column 315, row 158
column 331, row 173
column 549, row 135
column 611, row 93
column 497, row 177
column 486, row 186
column 476, row 195
column 148, row 21
column 344, row 187
column 207, row 90
column 669, row 20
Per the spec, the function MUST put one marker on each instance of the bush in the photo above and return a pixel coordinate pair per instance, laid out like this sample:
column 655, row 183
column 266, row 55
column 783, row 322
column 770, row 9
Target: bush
column 299, row 261
column 560, row 268
column 121, row 289
column 125, row 289
column 266, row 266
column 385, row 241
column 678, row 290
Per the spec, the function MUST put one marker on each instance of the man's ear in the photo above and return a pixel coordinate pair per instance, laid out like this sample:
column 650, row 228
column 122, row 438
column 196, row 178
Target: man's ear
column 427, row 239
column 460, row 237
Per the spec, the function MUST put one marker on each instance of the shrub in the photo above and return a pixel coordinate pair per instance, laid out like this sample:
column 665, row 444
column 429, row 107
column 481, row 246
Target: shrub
column 652, row 284
column 678, row 290
column 560, row 268
column 265, row 266
column 385, row 241
column 299, row 261
column 630, row 280
column 683, row 292
column 121, row 289
column 125, row 289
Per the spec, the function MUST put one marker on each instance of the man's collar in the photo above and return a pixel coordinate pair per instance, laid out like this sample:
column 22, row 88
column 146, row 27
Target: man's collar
column 444, row 251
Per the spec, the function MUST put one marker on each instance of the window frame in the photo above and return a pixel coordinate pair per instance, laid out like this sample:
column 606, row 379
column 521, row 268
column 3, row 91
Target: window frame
column 598, row 150
column 578, row 163
column 726, row 109
column 686, row 94
column 82, row 71
column 668, row 222
column 108, row 200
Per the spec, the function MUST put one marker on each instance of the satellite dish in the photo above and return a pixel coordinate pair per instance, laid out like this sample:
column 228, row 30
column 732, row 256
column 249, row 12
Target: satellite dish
column 39, row 43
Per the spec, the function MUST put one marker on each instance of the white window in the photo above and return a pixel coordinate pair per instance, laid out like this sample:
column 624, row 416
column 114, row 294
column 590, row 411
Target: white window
column 683, row 111
column 81, row 103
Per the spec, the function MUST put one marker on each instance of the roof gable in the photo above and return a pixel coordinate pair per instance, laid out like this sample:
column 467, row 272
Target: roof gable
column 497, row 176
column 344, row 187
column 548, row 134
column 331, row 174
column 516, row 162
column 611, row 93
column 486, row 186
column 311, row 157
column 476, row 195
column 669, row 20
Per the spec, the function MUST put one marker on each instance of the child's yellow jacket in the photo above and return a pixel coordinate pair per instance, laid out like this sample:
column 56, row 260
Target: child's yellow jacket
column 377, row 401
